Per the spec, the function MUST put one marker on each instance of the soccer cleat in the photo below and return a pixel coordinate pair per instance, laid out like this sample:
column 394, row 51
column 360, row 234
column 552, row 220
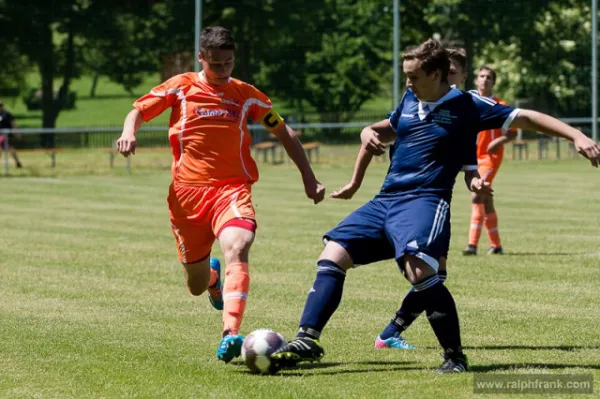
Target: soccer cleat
column 454, row 364
column 215, row 294
column 469, row 250
column 495, row 251
column 299, row 350
column 395, row 342
column 230, row 347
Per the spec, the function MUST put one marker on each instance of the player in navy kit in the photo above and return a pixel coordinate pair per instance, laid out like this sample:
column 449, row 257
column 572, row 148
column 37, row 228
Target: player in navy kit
column 434, row 131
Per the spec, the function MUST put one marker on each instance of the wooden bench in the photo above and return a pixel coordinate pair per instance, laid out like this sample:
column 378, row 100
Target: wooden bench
column 268, row 147
column 51, row 152
column 572, row 151
column 519, row 146
column 309, row 148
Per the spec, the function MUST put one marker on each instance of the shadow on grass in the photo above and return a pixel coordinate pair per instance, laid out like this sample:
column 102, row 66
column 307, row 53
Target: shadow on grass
column 303, row 370
column 517, row 366
column 567, row 348
column 543, row 253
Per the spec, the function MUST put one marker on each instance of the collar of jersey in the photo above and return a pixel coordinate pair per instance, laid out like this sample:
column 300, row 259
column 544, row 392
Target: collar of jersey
column 203, row 77
column 433, row 105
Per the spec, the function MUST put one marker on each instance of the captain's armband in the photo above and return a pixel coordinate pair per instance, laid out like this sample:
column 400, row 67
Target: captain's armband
column 271, row 121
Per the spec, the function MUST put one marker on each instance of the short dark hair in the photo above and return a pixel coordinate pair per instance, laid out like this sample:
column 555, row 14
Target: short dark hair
column 432, row 56
column 216, row 37
column 492, row 72
column 458, row 55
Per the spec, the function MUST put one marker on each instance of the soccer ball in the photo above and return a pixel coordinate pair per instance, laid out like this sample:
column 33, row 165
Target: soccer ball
column 257, row 348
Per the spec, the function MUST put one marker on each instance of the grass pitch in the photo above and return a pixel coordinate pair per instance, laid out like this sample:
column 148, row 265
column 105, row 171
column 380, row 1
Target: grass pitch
column 93, row 302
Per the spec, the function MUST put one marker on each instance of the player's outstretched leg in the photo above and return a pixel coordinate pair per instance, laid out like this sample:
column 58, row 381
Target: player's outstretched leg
column 215, row 294
column 235, row 243
column 323, row 300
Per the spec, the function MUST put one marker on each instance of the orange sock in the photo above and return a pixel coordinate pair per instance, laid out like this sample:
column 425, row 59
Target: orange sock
column 477, row 218
column 235, row 292
column 213, row 277
column 491, row 224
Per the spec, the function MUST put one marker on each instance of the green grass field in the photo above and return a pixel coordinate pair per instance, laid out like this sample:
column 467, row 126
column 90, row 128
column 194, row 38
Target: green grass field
column 112, row 102
column 93, row 302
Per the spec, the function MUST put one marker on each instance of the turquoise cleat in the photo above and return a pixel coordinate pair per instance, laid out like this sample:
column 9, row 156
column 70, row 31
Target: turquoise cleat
column 395, row 342
column 230, row 347
column 215, row 294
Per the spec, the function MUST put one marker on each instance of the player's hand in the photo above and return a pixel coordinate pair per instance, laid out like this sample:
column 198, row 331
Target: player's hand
column 346, row 192
column 314, row 190
column 495, row 146
column 370, row 140
column 588, row 148
column 126, row 144
column 480, row 186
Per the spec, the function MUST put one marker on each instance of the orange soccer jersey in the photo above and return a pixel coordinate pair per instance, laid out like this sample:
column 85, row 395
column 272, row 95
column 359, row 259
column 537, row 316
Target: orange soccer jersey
column 208, row 131
column 488, row 164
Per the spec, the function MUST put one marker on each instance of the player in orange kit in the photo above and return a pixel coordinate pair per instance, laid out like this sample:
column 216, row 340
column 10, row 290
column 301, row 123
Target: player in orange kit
column 483, row 210
column 213, row 171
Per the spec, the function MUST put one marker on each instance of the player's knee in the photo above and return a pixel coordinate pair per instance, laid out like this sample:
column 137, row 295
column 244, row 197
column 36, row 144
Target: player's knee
column 337, row 254
column 237, row 250
column 197, row 285
column 416, row 269
column 196, row 290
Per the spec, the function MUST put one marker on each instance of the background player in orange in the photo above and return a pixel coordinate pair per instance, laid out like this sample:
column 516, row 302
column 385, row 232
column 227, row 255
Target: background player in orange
column 210, row 196
column 483, row 211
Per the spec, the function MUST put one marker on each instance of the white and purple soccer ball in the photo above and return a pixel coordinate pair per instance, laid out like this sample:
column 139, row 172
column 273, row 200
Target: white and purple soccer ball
column 258, row 347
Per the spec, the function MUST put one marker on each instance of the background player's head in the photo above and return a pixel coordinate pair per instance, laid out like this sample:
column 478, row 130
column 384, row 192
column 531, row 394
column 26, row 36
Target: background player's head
column 217, row 54
column 426, row 69
column 457, row 75
column 485, row 81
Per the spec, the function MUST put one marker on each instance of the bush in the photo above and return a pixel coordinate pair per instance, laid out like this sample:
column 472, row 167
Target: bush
column 33, row 100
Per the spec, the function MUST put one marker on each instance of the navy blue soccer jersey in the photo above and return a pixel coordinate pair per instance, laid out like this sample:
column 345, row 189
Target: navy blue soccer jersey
column 435, row 141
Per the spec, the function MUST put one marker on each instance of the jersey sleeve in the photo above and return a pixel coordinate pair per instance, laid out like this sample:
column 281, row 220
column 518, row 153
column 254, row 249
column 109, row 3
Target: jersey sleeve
column 395, row 115
column 500, row 101
column 493, row 115
column 160, row 98
column 261, row 110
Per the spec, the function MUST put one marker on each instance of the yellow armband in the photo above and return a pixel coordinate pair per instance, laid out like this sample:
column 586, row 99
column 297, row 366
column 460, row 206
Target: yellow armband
column 271, row 121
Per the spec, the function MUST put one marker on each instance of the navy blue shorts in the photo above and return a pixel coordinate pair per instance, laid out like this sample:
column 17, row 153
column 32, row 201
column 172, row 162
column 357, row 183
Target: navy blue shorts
column 388, row 227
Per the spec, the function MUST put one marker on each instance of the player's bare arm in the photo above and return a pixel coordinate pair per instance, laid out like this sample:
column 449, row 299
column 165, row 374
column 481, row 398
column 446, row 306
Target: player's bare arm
column 126, row 143
column 374, row 139
column 360, row 167
column 476, row 184
column 376, row 136
column 289, row 139
column 539, row 122
column 496, row 144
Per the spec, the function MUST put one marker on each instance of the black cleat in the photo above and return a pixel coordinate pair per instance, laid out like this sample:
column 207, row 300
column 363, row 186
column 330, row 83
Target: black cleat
column 495, row 251
column 455, row 364
column 299, row 350
column 469, row 250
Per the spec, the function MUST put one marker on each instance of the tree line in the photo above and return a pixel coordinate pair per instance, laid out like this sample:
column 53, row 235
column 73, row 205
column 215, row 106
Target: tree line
column 330, row 55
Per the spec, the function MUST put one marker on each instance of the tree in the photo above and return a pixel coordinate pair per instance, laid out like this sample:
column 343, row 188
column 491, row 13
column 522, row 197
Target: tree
column 51, row 34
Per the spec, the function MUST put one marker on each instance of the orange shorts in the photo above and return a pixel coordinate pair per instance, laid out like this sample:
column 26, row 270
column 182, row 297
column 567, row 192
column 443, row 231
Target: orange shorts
column 199, row 213
column 488, row 167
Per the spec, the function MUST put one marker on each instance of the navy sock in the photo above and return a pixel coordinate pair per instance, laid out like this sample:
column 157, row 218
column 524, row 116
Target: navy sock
column 443, row 275
column 412, row 306
column 323, row 299
column 443, row 318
